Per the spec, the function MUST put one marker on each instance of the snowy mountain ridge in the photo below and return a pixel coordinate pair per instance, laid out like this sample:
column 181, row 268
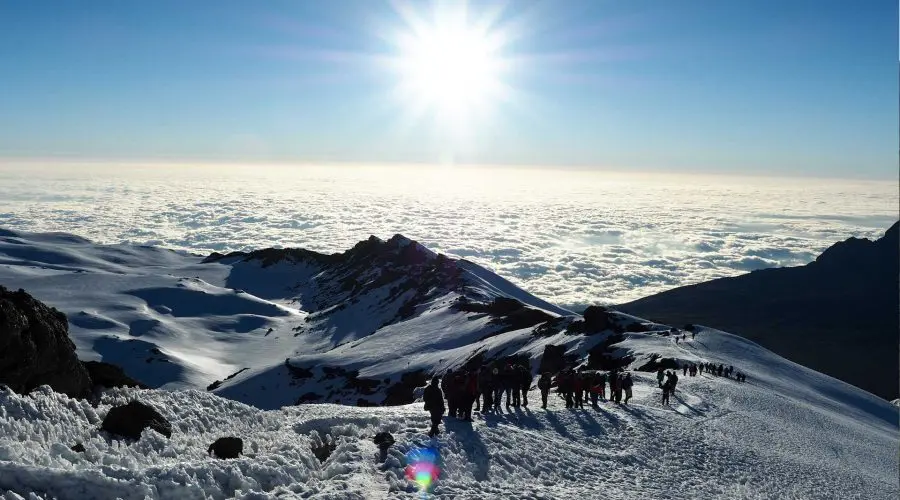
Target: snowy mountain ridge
column 275, row 327
column 173, row 319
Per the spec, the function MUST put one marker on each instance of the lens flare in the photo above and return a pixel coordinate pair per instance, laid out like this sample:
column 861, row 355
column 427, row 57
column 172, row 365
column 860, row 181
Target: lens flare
column 422, row 467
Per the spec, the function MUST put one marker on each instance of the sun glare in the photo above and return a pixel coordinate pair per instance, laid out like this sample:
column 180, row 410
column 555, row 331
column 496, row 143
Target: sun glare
column 450, row 67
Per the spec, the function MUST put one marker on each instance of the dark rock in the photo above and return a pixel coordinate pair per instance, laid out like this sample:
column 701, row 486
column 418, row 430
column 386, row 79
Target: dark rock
column 401, row 393
column 637, row 327
column 130, row 420
column 604, row 356
column 215, row 385
column 78, row 448
column 109, row 375
column 309, row 397
column 656, row 363
column 324, row 450
column 35, row 348
column 553, row 360
column 596, row 318
column 384, row 440
column 226, row 447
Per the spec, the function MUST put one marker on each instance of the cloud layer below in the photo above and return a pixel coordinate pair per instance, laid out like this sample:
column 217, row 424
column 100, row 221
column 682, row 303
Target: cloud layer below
column 572, row 237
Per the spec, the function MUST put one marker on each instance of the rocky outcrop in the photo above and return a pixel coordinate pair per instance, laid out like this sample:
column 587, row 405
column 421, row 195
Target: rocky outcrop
column 35, row 348
column 130, row 420
column 226, row 447
column 109, row 375
column 596, row 319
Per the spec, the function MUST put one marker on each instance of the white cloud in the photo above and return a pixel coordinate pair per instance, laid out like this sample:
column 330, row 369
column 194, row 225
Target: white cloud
column 571, row 237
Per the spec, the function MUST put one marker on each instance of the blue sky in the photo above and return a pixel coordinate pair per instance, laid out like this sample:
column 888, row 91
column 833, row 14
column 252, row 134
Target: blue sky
column 792, row 87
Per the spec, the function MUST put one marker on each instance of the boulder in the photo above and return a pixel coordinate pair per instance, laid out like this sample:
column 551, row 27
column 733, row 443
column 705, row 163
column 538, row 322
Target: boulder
column 553, row 359
column 130, row 420
column 35, row 348
column 596, row 318
column 109, row 375
column 226, row 447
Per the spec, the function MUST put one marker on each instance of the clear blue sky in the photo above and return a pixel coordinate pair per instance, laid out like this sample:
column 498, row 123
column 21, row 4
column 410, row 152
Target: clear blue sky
column 797, row 87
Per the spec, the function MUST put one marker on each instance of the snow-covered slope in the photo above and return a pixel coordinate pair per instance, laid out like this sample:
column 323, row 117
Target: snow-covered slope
column 786, row 433
column 368, row 326
column 363, row 318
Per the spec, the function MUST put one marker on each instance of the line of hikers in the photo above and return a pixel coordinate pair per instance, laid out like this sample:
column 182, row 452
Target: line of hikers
column 722, row 371
column 485, row 387
column 577, row 387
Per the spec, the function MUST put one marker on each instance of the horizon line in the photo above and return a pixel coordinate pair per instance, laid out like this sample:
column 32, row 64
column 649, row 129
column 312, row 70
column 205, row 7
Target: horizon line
column 590, row 168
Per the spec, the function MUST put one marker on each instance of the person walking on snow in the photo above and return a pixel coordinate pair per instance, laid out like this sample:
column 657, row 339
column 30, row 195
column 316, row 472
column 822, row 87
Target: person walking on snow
column 524, row 382
column 469, row 395
column 544, row 384
column 497, row 381
column 666, row 388
column 578, row 384
column 620, row 379
column 684, row 370
column 627, row 384
column 448, row 392
column 434, row 404
column 486, row 387
column 659, row 379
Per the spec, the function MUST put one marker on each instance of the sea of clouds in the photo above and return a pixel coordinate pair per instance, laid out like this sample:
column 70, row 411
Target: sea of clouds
column 573, row 237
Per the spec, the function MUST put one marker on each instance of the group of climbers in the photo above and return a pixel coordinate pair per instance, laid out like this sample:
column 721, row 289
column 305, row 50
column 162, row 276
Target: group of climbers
column 722, row 371
column 668, row 386
column 485, row 387
column 576, row 388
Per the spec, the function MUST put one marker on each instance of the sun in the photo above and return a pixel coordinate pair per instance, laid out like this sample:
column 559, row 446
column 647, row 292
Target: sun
column 450, row 67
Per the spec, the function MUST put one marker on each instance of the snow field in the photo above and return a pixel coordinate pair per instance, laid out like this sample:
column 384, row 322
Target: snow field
column 718, row 439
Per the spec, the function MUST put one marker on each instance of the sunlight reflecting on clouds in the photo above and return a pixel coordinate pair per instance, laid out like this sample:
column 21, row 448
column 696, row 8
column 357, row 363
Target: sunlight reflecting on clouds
column 572, row 237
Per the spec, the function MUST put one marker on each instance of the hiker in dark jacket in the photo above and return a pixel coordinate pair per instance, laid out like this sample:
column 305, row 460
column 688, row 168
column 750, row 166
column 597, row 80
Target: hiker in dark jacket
column 659, row 378
column 578, row 387
column 510, row 383
column 474, row 389
column 601, row 384
column 448, row 392
column 627, row 384
column 619, row 387
column 613, row 385
column 684, row 370
column 485, row 384
column 564, row 384
column 497, row 381
column 469, row 395
column 593, row 383
column 434, row 404
column 544, row 384
column 524, row 382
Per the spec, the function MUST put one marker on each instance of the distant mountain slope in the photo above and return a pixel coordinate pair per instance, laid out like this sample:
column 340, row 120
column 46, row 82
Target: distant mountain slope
column 837, row 315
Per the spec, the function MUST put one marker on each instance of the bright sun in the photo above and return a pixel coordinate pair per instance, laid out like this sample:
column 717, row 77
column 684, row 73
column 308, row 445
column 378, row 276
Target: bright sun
column 450, row 67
